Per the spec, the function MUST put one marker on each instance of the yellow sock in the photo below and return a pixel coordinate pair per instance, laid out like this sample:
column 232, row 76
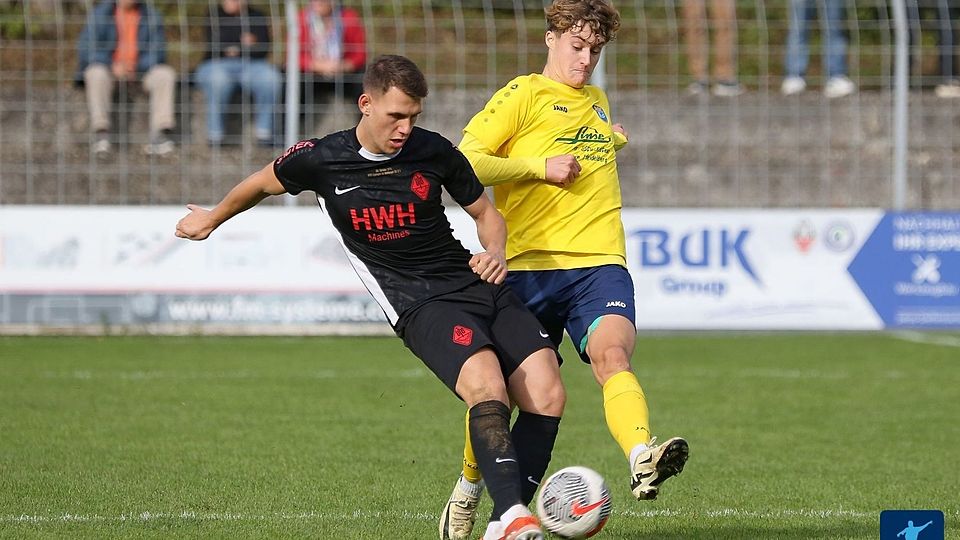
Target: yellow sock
column 625, row 407
column 471, row 471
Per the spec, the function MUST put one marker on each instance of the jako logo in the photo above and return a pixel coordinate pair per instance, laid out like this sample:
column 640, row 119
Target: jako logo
column 704, row 249
column 617, row 303
column 560, row 108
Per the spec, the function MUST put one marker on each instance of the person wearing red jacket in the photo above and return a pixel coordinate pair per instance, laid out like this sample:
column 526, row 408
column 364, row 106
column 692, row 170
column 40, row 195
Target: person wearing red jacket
column 332, row 51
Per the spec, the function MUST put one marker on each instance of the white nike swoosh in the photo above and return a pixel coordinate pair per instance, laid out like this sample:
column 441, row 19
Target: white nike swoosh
column 504, row 460
column 339, row 191
column 532, row 481
column 544, row 335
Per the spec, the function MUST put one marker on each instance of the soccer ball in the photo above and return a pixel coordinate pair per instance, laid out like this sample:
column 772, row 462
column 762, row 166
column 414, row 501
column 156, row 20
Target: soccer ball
column 574, row 502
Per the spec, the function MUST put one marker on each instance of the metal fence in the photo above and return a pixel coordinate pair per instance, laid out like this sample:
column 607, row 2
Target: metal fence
column 689, row 147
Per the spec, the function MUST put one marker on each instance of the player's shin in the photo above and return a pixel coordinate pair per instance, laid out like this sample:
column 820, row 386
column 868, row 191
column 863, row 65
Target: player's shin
column 471, row 470
column 533, row 437
column 625, row 408
column 495, row 452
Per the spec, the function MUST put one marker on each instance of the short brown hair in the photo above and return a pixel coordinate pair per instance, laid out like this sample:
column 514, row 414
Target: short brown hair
column 599, row 15
column 391, row 70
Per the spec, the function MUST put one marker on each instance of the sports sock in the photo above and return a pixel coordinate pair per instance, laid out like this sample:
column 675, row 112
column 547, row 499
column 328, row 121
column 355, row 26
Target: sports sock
column 625, row 408
column 636, row 451
column 490, row 437
column 533, row 437
column 471, row 471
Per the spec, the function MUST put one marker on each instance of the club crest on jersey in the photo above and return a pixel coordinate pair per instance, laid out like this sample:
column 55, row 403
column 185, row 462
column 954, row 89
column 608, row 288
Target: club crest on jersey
column 420, row 186
column 600, row 113
column 462, row 335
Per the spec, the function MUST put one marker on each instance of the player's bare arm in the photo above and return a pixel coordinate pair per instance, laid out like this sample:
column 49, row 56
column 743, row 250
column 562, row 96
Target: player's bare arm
column 491, row 264
column 200, row 222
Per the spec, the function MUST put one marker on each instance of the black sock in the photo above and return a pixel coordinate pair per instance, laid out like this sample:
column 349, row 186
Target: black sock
column 533, row 437
column 496, row 456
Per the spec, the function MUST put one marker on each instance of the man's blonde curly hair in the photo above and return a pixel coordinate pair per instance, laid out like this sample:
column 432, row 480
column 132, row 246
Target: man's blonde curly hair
column 599, row 15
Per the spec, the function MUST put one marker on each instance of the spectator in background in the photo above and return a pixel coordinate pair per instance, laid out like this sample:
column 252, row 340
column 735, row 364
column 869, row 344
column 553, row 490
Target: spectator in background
column 123, row 41
column 239, row 44
column 332, row 51
column 723, row 17
column 946, row 13
column 832, row 18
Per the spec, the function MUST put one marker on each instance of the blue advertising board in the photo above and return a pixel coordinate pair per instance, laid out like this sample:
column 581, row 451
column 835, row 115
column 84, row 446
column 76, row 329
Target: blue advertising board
column 909, row 269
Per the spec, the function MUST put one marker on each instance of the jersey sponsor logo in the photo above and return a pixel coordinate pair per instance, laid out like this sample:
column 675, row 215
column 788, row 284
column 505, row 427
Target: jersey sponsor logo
column 339, row 191
column 600, row 113
column 560, row 108
column 585, row 134
column 383, row 217
column 617, row 303
column 462, row 335
column 295, row 148
column 387, row 236
column 420, row 186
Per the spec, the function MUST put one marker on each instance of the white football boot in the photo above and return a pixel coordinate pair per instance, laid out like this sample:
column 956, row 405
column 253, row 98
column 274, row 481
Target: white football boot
column 460, row 512
column 656, row 464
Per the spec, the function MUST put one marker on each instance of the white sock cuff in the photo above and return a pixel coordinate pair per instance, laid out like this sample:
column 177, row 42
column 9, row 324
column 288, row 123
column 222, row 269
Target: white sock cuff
column 471, row 489
column 635, row 453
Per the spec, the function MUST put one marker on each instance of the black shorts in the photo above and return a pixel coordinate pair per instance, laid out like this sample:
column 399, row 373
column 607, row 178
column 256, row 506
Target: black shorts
column 447, row 330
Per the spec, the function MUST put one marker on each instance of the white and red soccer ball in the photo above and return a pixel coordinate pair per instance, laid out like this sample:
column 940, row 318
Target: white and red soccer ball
column 574, row 502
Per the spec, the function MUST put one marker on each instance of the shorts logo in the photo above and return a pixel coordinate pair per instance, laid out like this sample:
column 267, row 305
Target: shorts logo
column 462, row 335
column 617, row 303
column 420, row 186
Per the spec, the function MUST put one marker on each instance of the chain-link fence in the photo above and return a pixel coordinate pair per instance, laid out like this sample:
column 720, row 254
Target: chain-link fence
column 708, row 128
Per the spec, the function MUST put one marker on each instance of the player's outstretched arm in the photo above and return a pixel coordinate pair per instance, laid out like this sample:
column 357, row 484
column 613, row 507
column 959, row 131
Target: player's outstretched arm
column 490, row 265
column 200, row 222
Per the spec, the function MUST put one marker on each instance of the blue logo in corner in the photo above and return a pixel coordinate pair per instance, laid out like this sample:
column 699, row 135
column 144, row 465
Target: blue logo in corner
column 911, row 525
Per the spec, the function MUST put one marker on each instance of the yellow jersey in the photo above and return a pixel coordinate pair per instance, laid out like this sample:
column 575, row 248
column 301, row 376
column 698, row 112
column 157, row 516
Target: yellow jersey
column 550, row 227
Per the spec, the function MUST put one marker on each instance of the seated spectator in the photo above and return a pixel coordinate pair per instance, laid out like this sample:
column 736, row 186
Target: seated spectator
column 239, row 44
column 723, row 19
column 834, row 47
column 332, row 51
column 123, row 41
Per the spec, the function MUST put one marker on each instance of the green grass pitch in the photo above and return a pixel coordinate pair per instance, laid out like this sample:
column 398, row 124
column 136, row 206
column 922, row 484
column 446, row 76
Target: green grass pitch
column 792, row 436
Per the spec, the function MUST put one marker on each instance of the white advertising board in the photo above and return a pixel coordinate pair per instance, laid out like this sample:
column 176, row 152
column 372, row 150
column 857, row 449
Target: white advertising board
column 693, row 268
column 748, row 269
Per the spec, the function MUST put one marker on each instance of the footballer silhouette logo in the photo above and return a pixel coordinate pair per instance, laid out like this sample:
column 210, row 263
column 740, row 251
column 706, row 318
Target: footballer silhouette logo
column 420, row 186
column 462, row 335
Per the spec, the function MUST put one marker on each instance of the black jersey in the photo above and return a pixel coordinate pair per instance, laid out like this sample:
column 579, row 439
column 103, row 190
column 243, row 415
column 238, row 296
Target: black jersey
column 388, row 212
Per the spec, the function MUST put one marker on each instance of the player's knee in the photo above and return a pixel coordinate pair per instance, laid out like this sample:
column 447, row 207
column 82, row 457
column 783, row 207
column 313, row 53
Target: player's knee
column 609, row 361
column 555, row 400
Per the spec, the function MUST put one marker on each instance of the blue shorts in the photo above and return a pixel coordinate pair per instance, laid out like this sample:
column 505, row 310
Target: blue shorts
column 574, row 300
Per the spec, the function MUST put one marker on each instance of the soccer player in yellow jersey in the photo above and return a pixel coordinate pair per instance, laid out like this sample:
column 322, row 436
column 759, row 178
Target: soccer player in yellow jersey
column 547, row 145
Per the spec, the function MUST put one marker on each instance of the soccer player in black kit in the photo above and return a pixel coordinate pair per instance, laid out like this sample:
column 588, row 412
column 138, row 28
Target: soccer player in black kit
column 379, row 184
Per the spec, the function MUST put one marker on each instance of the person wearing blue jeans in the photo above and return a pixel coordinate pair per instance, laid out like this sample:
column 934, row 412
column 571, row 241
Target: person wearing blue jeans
column 832, row 16
column 239, row 44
